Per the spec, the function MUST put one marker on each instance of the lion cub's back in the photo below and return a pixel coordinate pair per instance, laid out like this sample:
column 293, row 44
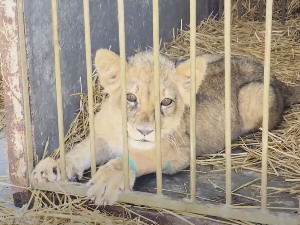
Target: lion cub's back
column 211, row 101
column 243, row 70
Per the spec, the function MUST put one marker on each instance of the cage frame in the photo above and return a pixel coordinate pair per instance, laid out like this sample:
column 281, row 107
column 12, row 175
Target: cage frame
column 14, row 70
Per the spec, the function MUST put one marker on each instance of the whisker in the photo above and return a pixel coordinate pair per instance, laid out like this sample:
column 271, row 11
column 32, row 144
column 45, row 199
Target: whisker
column 174, row 139
column 180, row 136
column 169, row 142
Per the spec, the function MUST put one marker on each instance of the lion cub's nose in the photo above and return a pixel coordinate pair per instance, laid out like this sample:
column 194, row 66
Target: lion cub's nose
column 145, row 132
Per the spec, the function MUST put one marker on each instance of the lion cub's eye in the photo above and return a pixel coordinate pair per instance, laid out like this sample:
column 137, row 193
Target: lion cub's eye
column 131, row 97
column 166, row 101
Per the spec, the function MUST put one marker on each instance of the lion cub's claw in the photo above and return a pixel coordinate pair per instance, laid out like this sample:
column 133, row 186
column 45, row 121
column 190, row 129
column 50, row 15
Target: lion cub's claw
column 73, row 174
column 47, row 170
column 107, row 184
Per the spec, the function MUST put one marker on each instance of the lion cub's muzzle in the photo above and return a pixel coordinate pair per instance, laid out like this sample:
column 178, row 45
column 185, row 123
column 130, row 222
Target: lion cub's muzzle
column 145, row 133
column 142, row 133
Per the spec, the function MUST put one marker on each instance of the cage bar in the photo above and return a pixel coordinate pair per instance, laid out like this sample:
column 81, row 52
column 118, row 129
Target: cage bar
column 157, row 96
column 221, row 8
column 261, row 10
column 264, row 158
column 283, row 12
column 23, row 60
column 239, row 9
column 124, row 100
column 193, row 98
column 227, row 32
column 11, row 69
column 87, row 33
column 60, row 116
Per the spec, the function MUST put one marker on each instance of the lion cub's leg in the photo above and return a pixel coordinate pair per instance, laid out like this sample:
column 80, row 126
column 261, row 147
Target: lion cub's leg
column 250, row 106
column 79, row 158
column 108, row 183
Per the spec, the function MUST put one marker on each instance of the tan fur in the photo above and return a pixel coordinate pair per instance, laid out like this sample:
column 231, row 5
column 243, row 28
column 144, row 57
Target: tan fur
column 246, row 108
column 250, row 102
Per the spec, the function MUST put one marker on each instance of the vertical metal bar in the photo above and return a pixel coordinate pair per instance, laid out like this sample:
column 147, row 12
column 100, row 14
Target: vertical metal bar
column 157, row 95
column 266, row 104
column 58, row 89
column 227, row 40
column 283, row 12
column 23, row 59
column 261, row 5
column 221, row 8
column 193, row 98
column 11, row 70
column 124, row 100
column 87, row 32
column 239, row 9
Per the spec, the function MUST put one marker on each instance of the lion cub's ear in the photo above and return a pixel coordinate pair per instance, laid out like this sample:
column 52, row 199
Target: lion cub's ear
column 183, row 77
column 107, row 64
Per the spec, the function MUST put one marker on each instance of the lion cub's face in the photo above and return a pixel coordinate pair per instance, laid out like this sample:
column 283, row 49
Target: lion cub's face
column 174, row 93
column 141, row 101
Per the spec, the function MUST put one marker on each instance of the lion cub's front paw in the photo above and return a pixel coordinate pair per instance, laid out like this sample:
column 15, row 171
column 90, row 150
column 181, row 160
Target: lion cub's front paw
column 108, row 183
column 47, row 170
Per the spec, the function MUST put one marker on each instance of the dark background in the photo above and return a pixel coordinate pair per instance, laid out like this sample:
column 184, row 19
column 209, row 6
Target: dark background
column 104, row 34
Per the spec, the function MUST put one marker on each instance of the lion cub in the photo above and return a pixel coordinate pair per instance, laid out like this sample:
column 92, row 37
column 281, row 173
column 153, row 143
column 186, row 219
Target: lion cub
column 247, row 103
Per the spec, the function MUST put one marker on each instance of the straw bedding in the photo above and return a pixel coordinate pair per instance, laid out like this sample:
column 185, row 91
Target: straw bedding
column 284, row 142
column 63, row 209
column 247, row 38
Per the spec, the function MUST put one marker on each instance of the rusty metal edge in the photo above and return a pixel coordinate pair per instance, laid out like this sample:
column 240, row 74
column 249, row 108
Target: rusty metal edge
column 11, row 68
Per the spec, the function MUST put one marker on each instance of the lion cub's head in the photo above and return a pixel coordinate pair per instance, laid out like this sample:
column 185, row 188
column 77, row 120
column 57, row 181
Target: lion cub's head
column 174, row 92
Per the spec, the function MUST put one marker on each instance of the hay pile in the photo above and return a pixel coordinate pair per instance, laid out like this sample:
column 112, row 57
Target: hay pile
column 250, row 9
column 63, row 209
column 68, row 211
column 247, row 38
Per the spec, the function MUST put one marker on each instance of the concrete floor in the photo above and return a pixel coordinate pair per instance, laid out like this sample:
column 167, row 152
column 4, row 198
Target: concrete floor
column 5, row 192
